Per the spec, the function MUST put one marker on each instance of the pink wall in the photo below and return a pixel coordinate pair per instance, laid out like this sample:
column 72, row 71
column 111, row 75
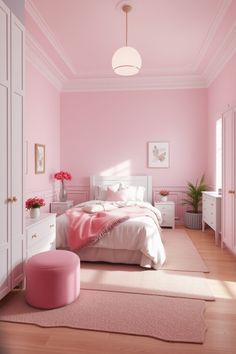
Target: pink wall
column 221, row 95
column 42, row 126
column 107, row 133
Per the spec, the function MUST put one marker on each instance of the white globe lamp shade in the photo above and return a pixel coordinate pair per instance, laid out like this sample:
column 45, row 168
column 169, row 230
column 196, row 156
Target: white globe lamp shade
column 126, row 61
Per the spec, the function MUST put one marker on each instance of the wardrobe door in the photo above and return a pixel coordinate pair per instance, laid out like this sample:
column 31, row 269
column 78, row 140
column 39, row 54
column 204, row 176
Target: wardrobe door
column 17, row 153
column 228, row 191
column 5, row 240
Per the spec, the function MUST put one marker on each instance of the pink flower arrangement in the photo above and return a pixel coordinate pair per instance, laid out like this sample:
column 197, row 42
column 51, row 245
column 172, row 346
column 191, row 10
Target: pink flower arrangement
column 62, row 175
column 164, row 193
column 34, row 203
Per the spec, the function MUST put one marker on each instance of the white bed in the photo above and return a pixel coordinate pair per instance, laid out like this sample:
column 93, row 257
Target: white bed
column 135, row 241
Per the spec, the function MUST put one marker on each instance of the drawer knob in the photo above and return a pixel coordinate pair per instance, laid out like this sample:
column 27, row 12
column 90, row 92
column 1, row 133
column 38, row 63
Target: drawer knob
column 51, row 225
column 34, row 235
column 231, row 191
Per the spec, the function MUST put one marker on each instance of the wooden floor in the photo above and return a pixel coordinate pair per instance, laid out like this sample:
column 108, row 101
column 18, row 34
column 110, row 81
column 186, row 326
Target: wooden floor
column 220, row 318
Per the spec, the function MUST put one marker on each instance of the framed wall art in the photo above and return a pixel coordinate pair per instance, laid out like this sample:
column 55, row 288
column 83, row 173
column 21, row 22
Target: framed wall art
column 158, row 154
column 39, row 153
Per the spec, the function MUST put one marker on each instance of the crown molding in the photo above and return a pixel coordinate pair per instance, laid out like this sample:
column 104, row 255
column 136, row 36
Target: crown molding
column 222, row 8
column 134, row 83
column 221, row 57
column 41, row 23
column 43, row 63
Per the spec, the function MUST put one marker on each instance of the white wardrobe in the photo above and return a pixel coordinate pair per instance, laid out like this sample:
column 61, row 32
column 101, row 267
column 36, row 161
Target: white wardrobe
column 229, row 180
column 12, row 234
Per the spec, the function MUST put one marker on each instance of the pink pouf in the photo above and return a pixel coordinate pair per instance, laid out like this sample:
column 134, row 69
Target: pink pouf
column 52, row 279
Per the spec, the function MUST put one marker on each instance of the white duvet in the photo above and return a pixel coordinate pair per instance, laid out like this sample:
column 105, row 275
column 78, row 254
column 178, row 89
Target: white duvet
column 135, row 234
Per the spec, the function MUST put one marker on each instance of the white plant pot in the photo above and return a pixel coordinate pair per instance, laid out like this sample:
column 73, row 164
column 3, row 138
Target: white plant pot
column 35, row 213
column 164, row 198
column 193, row 220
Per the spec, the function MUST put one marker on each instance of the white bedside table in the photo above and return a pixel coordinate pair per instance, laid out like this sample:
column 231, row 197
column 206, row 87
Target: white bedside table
column 167, row 210
column 60, row 207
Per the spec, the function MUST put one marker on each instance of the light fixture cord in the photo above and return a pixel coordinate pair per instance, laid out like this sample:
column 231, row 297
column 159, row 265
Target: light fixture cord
column 126, row 33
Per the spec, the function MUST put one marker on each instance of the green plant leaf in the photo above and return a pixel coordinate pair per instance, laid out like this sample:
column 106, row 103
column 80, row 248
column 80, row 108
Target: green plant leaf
column 194, row 194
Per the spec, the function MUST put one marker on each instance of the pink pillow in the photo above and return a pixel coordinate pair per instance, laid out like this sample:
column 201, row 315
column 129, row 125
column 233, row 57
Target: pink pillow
column 116, row 196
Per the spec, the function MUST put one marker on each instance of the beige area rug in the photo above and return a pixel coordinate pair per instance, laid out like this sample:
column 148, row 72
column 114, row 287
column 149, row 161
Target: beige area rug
column 133, row 279
column 166, row 318
column 181, row 252
column 181, row 276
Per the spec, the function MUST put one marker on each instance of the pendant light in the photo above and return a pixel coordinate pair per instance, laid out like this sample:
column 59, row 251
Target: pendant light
column 126, row 61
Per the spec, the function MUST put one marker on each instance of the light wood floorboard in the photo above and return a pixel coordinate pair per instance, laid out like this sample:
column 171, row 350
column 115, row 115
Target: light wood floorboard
column 220, row 318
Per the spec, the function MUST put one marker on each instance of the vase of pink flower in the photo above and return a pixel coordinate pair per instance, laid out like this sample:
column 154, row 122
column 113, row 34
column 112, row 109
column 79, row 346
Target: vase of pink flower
column 34, row 205
column 164, row 195
column 62, row 176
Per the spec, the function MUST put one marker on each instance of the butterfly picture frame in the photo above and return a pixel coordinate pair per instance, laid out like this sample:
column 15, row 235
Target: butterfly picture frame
column 158, row 154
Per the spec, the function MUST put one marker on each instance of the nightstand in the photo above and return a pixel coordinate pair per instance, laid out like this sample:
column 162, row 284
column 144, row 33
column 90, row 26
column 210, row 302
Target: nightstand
column 60, row 207
column 167, row 210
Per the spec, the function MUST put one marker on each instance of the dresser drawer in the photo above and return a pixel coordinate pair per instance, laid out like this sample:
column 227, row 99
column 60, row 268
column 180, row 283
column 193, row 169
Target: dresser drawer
column 42, row 245
column 36, row 232
column 40, row 234
column 166, row 220
column 209, row 202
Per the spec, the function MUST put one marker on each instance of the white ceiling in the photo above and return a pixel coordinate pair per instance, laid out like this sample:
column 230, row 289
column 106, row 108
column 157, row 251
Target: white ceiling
column 182, row 42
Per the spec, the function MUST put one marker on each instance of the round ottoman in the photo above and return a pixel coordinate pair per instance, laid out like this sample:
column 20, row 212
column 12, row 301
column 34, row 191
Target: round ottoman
column 52, row 279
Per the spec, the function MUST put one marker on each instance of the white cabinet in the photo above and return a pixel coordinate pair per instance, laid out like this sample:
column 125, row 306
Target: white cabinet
column 60, row 207
column 12, row 235
column 211, row 213
column 229, row 180
column 40, row 234
column 167, row 210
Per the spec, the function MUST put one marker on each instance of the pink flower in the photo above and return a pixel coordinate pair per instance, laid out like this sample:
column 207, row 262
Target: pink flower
column 35, row 202
column 164, row 193
column 62, row 175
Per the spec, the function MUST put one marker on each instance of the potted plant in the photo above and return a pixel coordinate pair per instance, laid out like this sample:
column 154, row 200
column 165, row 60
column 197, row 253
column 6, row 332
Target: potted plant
column 34, row 205
column 164, row 195
column 193, row 215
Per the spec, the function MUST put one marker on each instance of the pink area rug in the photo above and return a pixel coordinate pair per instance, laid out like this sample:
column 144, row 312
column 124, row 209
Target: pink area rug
column 165, row 318
column 181, row 253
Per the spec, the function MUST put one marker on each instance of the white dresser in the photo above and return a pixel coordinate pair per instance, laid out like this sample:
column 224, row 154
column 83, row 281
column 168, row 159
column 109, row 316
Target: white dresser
column 167, row 210
column 40, row 234
column 60, row 207
column 211, row 213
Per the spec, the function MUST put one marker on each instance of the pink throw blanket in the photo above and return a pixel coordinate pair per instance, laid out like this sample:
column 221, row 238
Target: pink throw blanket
column 85, row 228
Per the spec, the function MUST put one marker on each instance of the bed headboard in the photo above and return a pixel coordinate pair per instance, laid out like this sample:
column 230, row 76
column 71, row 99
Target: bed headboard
column 144, row 181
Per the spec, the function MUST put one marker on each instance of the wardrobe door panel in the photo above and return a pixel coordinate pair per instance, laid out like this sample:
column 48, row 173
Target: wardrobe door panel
column 4, row 42
column 5, row 239
column 228, row 196
column 17, row 162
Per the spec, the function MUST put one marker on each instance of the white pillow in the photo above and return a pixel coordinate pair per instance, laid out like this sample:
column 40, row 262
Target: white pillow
column 100, row 192
column 134, row 193
column 140, row 194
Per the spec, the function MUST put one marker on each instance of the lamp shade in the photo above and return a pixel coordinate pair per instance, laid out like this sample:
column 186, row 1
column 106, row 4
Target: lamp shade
column 126, row 61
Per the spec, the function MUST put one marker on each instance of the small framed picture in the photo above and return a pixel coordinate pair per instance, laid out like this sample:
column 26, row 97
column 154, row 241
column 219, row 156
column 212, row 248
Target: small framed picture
column 39, row 153
column 158, row 154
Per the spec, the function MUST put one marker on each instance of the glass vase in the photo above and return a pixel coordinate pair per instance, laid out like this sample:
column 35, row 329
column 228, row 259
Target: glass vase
column 63, row 193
